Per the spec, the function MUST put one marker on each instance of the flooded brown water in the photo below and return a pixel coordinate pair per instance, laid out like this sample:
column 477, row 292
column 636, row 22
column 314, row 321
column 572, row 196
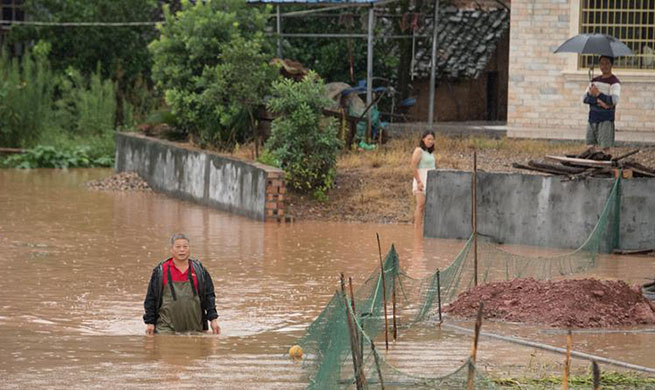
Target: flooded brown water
column 77, row 263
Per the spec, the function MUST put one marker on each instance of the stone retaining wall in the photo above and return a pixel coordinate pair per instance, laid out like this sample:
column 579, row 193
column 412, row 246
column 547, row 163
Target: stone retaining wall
column 538, row 210
column 242, row 187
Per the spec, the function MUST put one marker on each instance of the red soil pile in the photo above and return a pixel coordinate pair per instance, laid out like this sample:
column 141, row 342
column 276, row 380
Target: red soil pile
column 582, row 303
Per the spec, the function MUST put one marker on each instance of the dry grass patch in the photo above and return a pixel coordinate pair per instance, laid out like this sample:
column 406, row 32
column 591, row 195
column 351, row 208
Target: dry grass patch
column 375, row 186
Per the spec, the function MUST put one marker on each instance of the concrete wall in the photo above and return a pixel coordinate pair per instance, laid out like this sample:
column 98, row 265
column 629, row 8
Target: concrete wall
column 537, row 210
column 246, row 188
column 545, row 89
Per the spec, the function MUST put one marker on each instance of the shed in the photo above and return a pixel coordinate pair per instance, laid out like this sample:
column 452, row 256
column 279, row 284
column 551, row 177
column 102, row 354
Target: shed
column 472, row 65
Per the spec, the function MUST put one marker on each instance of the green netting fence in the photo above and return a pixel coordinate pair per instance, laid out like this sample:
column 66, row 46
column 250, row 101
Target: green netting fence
column 327, row 341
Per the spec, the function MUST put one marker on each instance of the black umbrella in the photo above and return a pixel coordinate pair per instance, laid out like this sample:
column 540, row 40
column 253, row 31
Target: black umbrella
column 599, row 44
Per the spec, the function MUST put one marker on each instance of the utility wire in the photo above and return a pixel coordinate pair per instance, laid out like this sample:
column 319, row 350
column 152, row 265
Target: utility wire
column 79, row 24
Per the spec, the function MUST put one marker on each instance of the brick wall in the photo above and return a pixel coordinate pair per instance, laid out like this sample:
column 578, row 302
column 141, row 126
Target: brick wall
column 275, row 195
column 545, row 89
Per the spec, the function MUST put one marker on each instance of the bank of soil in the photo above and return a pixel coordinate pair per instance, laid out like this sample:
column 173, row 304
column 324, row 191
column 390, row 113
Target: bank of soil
column 375, row 186
column 579, row 303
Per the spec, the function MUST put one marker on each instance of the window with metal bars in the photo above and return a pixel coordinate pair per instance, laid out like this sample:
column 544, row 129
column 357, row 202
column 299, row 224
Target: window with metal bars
column 631, row 21
column 11, row 10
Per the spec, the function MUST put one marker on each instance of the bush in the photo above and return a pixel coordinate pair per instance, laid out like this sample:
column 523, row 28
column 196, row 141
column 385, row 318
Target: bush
column 210, row 63
column 87, row 106
column 69, row 112
column 303, row 141
column 49, row 157
column 26, row 94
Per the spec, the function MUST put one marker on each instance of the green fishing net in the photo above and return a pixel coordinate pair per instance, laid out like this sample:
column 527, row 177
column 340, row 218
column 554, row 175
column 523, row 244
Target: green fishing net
column 361, row 322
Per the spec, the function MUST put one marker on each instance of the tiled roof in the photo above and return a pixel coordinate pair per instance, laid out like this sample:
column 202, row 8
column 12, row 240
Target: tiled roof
column 467, row 39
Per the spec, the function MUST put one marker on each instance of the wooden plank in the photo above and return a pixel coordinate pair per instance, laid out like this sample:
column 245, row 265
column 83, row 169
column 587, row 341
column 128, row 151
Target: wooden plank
column 529, row 168
column 560, row 168
column 581, row 161
column 593, row 171
column 621, row 157
column 642, row 172
column 633, row 251
column 641, row 167
column 11, row 150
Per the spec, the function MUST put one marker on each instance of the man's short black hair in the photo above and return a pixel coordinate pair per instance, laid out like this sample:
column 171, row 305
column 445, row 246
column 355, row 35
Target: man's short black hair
column 611, row 59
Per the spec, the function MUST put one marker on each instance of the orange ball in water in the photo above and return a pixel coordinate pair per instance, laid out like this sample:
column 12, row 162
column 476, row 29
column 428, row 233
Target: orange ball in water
column 295, row 352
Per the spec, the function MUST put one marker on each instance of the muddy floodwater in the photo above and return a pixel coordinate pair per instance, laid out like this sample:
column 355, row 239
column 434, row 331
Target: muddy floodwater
column 76, row 264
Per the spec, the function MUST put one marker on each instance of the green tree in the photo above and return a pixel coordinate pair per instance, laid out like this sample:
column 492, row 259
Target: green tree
column 303, row 141
column 196, row 64
column 118, row 49
column 242, row 80
column 121, row 52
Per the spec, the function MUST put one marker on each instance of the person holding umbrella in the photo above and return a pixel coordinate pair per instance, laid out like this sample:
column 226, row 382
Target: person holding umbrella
column 602, row 96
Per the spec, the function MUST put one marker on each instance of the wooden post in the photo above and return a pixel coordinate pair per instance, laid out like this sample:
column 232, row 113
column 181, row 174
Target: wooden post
column 377, row 365
column 360, row 341
column 360, row 379
column 567, row 362
column 393, row 300
column 595, row 374
column 439, row 295
column 475, row 218
column 384, row 296
column 470, row 383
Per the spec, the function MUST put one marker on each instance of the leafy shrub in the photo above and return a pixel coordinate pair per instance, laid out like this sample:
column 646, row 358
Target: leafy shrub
column 67, row 111
column 26, row 94
column 267, row 158
column 209, row 61
column 50, row 157
column 303, row 141
column 86, row 106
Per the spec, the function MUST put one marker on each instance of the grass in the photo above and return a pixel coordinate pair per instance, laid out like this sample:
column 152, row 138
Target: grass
column 608, row 380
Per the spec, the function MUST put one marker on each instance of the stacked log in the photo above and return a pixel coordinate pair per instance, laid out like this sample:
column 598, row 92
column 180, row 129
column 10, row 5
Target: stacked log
column 589, row 164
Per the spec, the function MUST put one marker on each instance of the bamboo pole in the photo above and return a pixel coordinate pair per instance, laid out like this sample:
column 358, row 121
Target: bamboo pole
column 595, row 370
column 545, row 347
column 377, row 364
column 439, row 295
column 470, row 383
column 384, row 296
column 12, row 150
column 475, row 217
column 358, row 339
column 393, row 300
column 360, row 380
column 567, row 361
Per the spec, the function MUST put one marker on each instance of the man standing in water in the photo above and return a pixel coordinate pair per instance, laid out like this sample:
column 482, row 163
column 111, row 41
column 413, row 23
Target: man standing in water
column 180, row 296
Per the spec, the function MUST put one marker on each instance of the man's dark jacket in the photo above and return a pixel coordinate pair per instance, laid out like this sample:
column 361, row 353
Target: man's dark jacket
column 155, row 293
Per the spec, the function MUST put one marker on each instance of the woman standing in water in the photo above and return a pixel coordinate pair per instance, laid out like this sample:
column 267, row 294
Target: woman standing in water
column 422, row 162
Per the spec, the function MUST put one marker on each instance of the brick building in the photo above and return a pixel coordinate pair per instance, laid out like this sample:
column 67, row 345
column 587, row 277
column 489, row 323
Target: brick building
column 546, row 89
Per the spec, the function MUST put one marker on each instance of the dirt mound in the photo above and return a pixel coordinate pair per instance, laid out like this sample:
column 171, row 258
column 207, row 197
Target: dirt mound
column 124, row 181
column 581, row 303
